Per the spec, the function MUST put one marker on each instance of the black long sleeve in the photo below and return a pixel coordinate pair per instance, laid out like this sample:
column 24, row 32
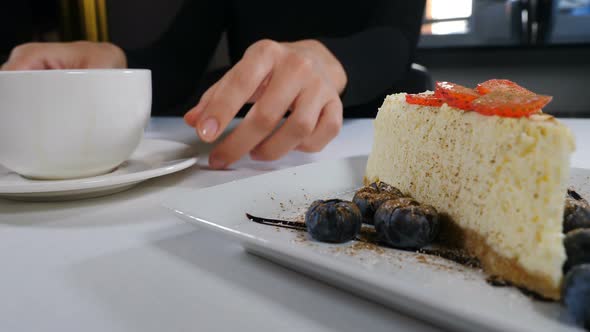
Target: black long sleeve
column 374, row 40
column 376, row 58
column 179, row 57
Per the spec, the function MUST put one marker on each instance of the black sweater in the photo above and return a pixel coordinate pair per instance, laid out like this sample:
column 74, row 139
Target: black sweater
column 374, row 40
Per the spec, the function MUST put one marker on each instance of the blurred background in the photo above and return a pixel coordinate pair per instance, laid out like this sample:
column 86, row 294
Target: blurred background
column 541, row 44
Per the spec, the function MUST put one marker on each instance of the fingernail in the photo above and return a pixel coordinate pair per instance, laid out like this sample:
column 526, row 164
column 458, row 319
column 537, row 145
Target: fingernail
column 216, row 163
column 209, row 128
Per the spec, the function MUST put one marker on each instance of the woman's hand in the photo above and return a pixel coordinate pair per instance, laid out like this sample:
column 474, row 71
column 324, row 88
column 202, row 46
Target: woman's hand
column 301, row 77
column 73, row 55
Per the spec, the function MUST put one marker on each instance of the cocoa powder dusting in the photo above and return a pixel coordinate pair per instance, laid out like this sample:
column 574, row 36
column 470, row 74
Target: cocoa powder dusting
column 421, row 259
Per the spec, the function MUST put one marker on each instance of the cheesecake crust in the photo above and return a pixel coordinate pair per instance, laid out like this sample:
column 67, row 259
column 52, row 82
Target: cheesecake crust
column 493, row 263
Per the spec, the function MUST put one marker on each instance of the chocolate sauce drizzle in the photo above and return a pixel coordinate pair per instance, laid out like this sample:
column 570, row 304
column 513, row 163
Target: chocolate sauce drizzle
column 278, row 222
column 297, row 225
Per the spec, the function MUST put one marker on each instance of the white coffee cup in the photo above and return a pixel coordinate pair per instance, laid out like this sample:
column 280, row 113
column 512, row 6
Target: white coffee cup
column 62, row 124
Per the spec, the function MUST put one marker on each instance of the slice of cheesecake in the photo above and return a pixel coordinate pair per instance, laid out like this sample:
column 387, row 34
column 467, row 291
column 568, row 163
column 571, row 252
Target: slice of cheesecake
column 499, row 181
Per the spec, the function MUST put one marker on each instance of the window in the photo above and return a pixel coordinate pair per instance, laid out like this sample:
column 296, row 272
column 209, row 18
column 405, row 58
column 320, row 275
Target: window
column 571, row 22
column 480, row 23
column 444, row 17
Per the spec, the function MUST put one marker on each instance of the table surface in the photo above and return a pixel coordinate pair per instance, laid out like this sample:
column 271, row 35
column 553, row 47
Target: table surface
column 124, row 263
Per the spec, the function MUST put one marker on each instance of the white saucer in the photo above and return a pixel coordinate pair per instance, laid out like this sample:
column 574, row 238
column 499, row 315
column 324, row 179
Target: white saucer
column 152, row 158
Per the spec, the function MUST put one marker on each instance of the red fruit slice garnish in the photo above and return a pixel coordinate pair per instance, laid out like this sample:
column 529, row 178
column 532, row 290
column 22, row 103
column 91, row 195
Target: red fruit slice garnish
column 455, row 95
column 424, row 99
column 510, row 104
column 499, row 85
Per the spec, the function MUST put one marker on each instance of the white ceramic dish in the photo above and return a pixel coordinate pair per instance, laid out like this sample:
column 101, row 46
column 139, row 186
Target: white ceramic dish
column 443, row 292
column 64, row 124
column 152, row 158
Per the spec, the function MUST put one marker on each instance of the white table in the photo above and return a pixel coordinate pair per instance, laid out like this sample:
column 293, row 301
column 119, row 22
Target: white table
column 124, row 263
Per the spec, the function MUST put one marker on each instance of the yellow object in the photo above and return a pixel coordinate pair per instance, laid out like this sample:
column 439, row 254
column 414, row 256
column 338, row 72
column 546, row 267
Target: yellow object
column 101, row 19
column 84, row 19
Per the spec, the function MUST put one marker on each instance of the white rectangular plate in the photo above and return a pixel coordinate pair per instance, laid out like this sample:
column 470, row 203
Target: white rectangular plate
column 427, row 287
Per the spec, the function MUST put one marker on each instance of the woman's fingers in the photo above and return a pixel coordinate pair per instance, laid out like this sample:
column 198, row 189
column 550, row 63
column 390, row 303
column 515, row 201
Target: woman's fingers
column 277, row 77
column 192, row 115
column 284, row 86
column 236, row 87
column 328, row 127
column 73, row 55
column 28, row 57
column 299, row 125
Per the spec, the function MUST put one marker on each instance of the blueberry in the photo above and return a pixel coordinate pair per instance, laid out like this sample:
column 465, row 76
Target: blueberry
column 368, row 202
column 385, row 187
column 578, row 217
column 576, row 214
column 401, row 202
column 577, row 197
column 575, row 294
column 406, row 227
column 364, row 199
column 432, row 214
column 368, row 199
column 333, row 220
column 577, row 248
